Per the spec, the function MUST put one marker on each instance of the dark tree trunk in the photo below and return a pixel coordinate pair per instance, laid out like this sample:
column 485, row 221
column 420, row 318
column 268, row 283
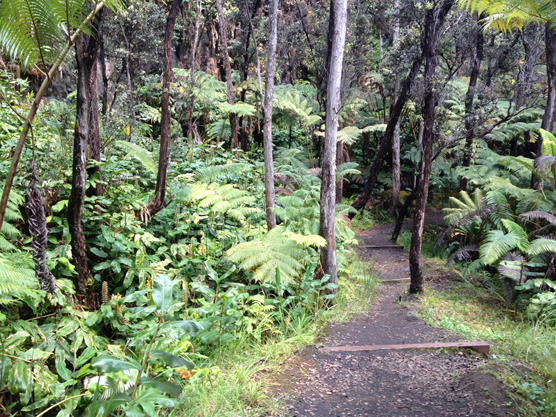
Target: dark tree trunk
column 102, row 59
column 336, row 40
column 386, row 142
column 79, row 170
column 158, row 201
column 90, row 59
column 434, row 19
column 228, row 68
column 267, row 111
column 469, row 98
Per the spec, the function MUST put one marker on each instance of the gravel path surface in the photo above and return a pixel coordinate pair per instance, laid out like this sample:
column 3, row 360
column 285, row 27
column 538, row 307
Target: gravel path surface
column 390, row 383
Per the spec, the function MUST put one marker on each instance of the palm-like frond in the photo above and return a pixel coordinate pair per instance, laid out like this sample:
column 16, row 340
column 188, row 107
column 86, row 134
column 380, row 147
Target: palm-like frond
column 496, row 245
column 15, row 280
column 515, row 229
column 347, row 168
column 550, row 218
column 213, row 172
column 262, row 257
column 541, row 246
column 139, row 153
column 30, row 32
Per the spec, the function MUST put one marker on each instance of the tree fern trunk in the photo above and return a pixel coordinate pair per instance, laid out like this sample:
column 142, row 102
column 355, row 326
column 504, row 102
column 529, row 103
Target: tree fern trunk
column 338, row 22
column 79, row 171
column 396, row 165
column 267, row 109
column 158, row 201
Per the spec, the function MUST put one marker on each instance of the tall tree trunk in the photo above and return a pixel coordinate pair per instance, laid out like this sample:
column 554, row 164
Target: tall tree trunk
column 386, row 142
column 396, row 162
column 337, row 36
column 228, row 68
column 434, row 19
column 102, row 59
column 548, row 117
column 190, row 132
column 267, row 110
column 79, row 170
column 158, row 201
column 90, row 59
column 469, row 99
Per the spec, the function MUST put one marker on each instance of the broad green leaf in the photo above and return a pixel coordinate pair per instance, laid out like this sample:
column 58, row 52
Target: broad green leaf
column 171, row 360
column 162, row 293
column 174, row 390
column 107, row 363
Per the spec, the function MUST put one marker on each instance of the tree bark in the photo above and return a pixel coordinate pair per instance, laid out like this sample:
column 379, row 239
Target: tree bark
column 158, row 201
column 90, row 60
column 267, row 109
column 469, row 99
column 337, row 36
column 386, row 142
column 434, row 19
column 79, row 170
column 228, row 69
column 396, row 161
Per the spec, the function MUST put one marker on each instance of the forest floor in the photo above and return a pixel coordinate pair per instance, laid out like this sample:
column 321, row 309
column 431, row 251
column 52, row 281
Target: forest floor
column 448, row 382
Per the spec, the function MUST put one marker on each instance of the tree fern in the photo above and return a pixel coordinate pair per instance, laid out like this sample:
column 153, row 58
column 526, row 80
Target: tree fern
column 16, row 280
column 541, row 246
column 213, row 172
column 140, row 154
column 515, row 229
column 496, row 245
column 262, row 257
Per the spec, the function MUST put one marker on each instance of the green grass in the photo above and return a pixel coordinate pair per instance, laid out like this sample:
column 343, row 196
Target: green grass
column 472, row 312
column 236, row 379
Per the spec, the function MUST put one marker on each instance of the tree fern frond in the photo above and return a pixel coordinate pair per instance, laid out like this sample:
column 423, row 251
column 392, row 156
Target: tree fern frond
column 140, row 154
column 515, row 229
column 211, row 173
column 29, row 31
column 496, row 245
column 15, row 280
column 462, row 254
column 550, row 218
column 306, row 240
column 541, row 246
column 347, row 168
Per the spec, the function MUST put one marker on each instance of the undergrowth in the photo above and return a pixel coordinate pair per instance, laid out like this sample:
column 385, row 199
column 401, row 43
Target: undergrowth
column 236, row 378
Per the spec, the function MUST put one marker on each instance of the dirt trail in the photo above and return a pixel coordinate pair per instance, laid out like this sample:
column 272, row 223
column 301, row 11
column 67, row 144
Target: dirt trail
column 390, row 383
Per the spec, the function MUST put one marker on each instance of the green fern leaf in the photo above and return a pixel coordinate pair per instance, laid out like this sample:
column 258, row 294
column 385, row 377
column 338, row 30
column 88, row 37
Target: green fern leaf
column 541, row 246
column 496, row 245
column 141, row 154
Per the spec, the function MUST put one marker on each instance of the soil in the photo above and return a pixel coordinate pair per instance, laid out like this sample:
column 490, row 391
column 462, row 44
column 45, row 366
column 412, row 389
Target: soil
column 390, row 382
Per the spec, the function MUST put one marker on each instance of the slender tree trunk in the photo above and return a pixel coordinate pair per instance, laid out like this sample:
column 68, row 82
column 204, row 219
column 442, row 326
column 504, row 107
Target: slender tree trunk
column 396, row 162
column 267, row 110
column 79, row 171
column 434, row 19
column 340, row 182
column 158, row 201
column 386, row 142
column 469, row 99
column 190, row 133
column 102, row 59
column 338, row 19
column 90, row 59
column 228, row 69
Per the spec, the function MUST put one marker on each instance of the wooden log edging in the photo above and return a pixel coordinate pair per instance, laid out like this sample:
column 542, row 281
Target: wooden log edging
column 479, row 346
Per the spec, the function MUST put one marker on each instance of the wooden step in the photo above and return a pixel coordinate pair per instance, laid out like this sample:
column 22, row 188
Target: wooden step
column 383, row 247
column 482, row 347
column 396, row 280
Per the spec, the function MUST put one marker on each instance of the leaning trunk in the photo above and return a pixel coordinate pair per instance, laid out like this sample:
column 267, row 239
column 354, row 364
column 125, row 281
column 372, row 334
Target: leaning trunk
column 267, row 109
column 386, row 141
column 79, row 172
column 159, row 199
column 338, row 18
column 432, row 25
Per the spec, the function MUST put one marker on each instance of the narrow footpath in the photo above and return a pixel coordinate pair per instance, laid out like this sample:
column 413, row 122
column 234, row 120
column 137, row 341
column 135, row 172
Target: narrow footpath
column 448, row 382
